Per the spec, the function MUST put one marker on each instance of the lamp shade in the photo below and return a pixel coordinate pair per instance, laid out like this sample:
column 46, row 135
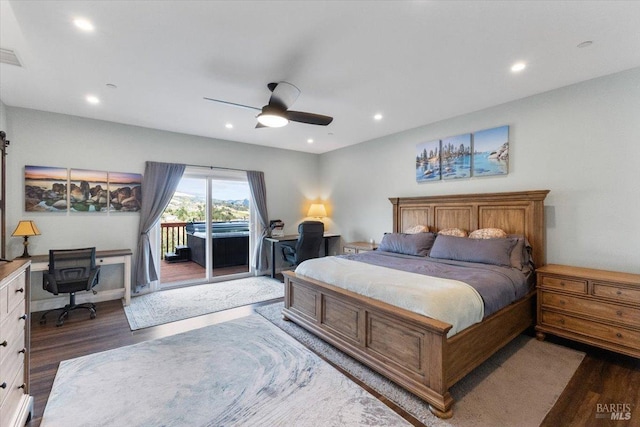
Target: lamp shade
column 26, row 228
column 317, row 210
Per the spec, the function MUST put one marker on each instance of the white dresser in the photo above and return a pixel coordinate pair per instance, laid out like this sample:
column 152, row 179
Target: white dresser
column 16, row 405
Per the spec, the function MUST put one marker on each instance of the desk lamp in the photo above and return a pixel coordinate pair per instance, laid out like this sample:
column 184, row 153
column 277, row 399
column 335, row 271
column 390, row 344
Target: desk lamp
column 26, row 229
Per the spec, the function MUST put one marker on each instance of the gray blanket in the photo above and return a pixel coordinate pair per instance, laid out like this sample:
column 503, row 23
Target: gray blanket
column 498, row 286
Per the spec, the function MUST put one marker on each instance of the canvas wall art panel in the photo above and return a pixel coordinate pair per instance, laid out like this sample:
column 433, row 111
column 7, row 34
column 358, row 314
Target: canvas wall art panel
column 491, row 151
column 125, row 192
column 428, row 161
column 45, row 189
column 456, row 157
column 87, row 190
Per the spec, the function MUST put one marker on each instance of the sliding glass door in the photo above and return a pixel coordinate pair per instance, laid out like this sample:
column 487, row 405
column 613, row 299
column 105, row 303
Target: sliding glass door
column 205, row 230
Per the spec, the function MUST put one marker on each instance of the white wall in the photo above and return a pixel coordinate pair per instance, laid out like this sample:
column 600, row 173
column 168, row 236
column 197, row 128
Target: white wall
column 3, row 117
column 47, row 139
column 582, row 142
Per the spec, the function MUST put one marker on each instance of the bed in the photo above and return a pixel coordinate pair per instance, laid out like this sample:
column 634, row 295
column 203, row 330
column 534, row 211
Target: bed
column 417, row 351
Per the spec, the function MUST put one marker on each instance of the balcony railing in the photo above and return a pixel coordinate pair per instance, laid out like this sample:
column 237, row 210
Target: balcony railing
column 172, row 234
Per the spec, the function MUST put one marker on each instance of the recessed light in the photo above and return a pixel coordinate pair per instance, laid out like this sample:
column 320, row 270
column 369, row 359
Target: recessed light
column 518, row 66
column 83, row 24
column 377, row 117
column 310, row 141
column 229, row 126
column 91, row 99
column 585, row 43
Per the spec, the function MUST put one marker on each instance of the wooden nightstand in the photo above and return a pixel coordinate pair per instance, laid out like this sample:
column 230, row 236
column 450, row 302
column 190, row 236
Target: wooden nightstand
column 358, row 247
column 597, row 307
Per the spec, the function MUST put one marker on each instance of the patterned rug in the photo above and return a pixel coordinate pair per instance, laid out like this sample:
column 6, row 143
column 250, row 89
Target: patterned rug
column 176, row 304
column 517, row 386
column 245, row 372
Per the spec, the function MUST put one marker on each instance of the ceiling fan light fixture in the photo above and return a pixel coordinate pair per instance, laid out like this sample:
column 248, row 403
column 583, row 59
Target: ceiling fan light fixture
column 272, row 119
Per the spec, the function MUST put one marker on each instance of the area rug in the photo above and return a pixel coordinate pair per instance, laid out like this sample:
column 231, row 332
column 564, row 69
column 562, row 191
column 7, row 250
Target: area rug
column 176, row 304
column 245, row 372
column 515, row 387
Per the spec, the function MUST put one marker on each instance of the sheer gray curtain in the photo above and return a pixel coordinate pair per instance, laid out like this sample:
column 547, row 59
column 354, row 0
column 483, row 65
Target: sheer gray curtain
column 159, row 182
column 259, row 195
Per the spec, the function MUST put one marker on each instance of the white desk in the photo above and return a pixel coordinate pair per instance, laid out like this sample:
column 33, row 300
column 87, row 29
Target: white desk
column 117, row 256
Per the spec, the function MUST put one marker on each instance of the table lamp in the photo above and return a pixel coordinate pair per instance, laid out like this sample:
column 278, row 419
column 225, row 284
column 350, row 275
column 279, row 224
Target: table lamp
column 317, row 210
column 26, row 229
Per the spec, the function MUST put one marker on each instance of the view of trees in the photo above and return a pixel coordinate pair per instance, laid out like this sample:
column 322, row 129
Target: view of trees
column 186, row 208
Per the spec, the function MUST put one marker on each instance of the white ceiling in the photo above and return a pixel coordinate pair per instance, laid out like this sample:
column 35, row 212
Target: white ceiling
column 416, row 62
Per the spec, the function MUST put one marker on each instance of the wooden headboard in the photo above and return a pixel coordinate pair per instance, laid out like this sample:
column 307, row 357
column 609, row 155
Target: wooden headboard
column 515, row 212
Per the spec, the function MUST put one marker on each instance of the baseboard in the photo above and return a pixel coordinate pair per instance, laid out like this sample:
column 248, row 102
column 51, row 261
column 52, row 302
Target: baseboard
column 61, row 300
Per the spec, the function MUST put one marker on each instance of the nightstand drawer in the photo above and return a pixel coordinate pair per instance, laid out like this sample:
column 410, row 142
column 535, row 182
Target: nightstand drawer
column 616, row 292
column 608, row 312
column 610, row 333
column 564, row 284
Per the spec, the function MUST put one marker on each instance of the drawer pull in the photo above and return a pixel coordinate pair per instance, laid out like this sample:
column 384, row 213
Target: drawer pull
column 3, row 385
column 23, row 386
column 619, row 313
column 23, row 317
column 4, row 343
column 619, row 335
column 561, row 283
column 561, row 302
column 20, row 290
column 23, row 351
column 562, row 321
column 619, row 292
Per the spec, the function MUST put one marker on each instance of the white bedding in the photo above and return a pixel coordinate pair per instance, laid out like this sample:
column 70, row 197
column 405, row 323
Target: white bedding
column 450, row 301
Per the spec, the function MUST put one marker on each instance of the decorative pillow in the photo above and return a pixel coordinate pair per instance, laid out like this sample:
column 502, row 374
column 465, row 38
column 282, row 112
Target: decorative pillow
column 488, row 233
column 453, row 232
column 485, row 251
column 409, row 244
column 417, row 229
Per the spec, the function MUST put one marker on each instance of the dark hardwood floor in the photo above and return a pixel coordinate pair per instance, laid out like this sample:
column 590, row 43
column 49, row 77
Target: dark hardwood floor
column 602, row 378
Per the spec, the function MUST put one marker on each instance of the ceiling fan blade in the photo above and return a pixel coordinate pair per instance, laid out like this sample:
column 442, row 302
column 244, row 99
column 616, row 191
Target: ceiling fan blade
column 283, row 94
column 248, row 107
column 309, row 118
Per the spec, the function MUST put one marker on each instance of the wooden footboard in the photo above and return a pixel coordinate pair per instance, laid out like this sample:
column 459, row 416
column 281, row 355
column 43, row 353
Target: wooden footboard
column 410, row 349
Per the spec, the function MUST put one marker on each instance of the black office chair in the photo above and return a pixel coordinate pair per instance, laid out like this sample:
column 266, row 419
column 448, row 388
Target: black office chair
column 310, row 237
column 70, row 271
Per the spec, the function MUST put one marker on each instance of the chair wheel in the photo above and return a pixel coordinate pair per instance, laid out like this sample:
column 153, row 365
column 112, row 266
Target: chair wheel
column 92, row 315
column 59, row 323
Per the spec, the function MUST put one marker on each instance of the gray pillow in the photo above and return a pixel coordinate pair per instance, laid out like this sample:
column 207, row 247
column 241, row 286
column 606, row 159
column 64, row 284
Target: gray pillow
column 485, row 251
column 521, row 253
column 409, row 244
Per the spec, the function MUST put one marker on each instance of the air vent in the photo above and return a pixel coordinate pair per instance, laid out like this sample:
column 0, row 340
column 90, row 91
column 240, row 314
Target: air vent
column 7, row 56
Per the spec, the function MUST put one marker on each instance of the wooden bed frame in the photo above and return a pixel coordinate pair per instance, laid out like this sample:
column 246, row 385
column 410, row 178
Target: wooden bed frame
column 410, row 349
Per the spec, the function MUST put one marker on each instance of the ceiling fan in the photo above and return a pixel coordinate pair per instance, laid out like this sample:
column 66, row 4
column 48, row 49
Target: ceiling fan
column 276, row 113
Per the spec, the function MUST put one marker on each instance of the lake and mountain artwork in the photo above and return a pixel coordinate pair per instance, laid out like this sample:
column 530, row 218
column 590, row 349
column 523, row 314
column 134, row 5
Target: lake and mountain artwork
column 45, row 189
column 428, row 161
column 491, row 151
column 87, row 190
column 125, row 192
column 456, row 157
